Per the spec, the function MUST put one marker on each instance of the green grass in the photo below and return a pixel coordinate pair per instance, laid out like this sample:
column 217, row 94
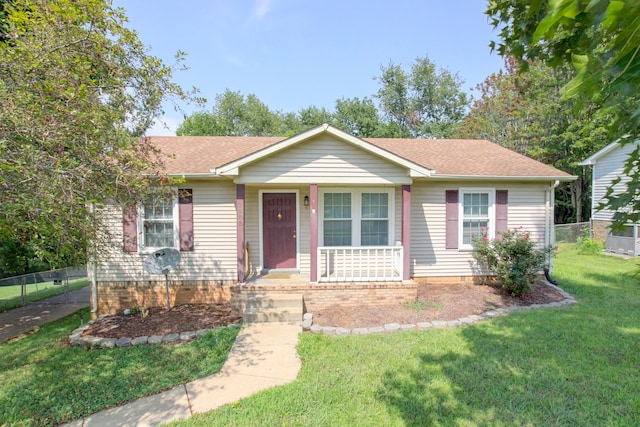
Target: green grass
column 46, row 382
column 577, row 365
column 10, row 296
column 419, row 305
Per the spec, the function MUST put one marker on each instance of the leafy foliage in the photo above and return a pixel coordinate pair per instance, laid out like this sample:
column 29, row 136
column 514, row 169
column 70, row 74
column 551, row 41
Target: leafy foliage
column 526, row 113
column 426, row 102
column 77, row 92
column 601, row 41
column 512, row 257
column 589, row 246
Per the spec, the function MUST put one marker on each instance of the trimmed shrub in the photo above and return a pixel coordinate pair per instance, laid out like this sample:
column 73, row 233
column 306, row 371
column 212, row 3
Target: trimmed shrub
column 512, row 257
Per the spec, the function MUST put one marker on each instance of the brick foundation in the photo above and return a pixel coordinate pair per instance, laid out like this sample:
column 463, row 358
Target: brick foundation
column 600, row 229
column 113, row 297
column 456, row 280
column 323, row 295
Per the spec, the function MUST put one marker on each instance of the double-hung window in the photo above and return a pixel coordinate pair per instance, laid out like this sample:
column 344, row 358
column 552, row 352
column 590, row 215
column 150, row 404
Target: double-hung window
column 158, row 224
column 477, row 214
column 374, row 219
column 356, row 217
column 338, row 225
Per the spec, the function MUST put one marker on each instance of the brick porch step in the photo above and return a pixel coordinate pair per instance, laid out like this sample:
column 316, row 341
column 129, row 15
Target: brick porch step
column 270, row 308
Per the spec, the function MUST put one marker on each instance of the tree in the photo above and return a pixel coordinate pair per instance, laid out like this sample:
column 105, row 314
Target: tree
column 313, row 116
column 234, row 114
column 200, row 123
column 600, row 39
column 426, row 102
column 526, row 113
column 77, row 92
column 357, row 117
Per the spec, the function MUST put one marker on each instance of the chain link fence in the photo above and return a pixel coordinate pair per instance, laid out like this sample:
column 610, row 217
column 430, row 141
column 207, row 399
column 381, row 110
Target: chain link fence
column 19, row 290
column 569, row 233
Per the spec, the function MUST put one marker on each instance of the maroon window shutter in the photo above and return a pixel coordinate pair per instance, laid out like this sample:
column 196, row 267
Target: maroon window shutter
column 502, row 198
column 130, row 228
column 451, row 239
column 185, row 211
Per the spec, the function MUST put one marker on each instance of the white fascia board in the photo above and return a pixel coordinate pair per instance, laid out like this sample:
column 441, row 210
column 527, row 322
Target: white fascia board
column 195, row 175
column 505, row 178
column 324, row 180
column 234, row 167
column 591, row 160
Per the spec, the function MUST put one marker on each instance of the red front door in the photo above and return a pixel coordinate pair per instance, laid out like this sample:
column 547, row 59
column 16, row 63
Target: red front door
column 279, row 230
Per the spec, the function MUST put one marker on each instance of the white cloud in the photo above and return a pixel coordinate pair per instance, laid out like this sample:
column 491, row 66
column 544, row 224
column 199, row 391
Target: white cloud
column 261, row 8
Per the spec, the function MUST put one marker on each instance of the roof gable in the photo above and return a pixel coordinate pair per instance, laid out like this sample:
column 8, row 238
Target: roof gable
column 591, row 160
column 232, row 168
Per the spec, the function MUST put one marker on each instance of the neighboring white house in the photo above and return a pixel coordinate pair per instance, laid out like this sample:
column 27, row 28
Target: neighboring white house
column 608, row 164
column 355, row 218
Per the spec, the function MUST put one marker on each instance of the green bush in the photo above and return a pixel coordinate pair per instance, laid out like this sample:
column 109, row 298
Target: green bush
column 588, row 245
column 512, row 257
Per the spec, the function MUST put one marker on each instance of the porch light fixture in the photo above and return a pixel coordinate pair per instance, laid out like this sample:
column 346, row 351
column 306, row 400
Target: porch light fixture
column 306, row 201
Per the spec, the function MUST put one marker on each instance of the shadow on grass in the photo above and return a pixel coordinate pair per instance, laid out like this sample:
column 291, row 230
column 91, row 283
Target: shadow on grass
column 562, row 366
column 522, row 379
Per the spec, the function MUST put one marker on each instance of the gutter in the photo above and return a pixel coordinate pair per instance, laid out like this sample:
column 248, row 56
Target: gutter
column 557, row 179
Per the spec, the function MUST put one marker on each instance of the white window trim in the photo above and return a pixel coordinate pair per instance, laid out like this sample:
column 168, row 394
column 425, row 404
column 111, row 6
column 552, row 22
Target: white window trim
column 356, row 211
column 491, row 213
column 176, row 228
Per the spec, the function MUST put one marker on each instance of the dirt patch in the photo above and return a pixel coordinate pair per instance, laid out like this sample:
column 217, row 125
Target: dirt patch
column 435, row 302
column 159, row 321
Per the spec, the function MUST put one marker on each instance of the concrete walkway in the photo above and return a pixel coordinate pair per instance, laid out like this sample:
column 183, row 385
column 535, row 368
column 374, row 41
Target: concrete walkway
column 23, row 319
column 263, row 356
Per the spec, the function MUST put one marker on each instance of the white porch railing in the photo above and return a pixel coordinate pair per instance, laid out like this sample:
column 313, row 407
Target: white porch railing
column 360, row 263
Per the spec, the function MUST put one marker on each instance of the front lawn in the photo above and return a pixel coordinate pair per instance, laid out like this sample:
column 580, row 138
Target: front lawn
column 46, row 382
column 576, row 365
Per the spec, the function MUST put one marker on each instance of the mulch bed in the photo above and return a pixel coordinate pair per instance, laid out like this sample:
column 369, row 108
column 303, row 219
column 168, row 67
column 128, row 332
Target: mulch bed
column 159, row 321
column 436, row 302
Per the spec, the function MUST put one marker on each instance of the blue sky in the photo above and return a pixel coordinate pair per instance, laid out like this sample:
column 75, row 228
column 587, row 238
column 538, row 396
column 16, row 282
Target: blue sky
column 295, row 53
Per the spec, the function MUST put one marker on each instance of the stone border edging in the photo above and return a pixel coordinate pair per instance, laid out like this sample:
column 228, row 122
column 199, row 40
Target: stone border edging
column 307, row 323
column 76, row 338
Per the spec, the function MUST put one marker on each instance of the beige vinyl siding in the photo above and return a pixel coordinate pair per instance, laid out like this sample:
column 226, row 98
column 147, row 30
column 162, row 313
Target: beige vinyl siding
column 251, row 229
column 526, row 208
column 397, row 227
column 304, row 233
column 607, row 168
column 214, row 228
column 323, row 160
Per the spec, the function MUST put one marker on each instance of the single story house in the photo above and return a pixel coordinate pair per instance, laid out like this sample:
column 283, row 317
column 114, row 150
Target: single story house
column 608, row 165
column 355, row 220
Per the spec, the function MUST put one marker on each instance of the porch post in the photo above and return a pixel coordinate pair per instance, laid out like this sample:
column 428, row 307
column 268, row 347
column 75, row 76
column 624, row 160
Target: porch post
column 313, row 225
column 240, row 232
column 406, row 231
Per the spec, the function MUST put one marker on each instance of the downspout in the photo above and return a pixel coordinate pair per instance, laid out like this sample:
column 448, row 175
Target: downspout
column 550, row 226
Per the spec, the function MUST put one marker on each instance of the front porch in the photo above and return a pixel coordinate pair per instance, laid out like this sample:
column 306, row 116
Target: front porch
column 291, row 228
